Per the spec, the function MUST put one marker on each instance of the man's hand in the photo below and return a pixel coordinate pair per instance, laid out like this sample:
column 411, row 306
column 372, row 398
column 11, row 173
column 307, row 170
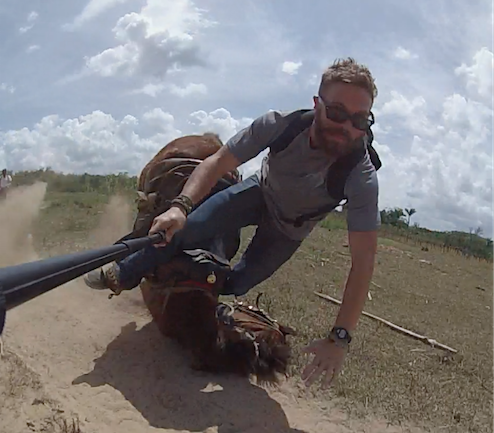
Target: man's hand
column 169, row 222
column 328, row 360
column 202, row 179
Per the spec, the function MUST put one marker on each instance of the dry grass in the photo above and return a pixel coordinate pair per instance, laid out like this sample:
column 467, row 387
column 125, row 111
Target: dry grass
column 388, row 373
column 24, row 404
column 385, row 373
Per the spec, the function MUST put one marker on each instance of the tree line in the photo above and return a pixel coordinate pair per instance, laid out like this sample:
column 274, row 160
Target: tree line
column 60, row 182
column 395, row 221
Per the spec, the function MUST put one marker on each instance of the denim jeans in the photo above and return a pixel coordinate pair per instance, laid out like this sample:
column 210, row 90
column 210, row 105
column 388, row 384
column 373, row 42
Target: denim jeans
column 231, row 209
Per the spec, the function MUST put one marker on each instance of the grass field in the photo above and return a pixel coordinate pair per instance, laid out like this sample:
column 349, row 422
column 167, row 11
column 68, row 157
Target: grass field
column 444, row 296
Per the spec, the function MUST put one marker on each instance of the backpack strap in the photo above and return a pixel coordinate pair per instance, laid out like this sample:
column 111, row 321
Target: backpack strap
column 298, row 122
column 335, row 184
column 338, row 172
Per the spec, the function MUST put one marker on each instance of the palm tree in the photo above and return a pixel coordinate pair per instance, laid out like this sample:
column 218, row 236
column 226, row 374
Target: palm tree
column 410, row 212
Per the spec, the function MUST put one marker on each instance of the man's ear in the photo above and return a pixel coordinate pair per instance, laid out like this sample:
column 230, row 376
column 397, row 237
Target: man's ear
column 314, row 98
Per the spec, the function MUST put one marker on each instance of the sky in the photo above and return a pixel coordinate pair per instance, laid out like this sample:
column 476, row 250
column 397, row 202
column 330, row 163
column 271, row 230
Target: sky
column 99, row 86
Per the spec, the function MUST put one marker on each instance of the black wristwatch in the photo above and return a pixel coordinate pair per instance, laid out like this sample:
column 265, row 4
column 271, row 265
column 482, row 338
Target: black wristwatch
column 340, row 336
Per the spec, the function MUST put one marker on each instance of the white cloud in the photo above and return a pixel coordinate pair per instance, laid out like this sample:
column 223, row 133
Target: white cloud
column 470, row 120
column 150, row 89
column 93, row 9
column 32, row 48
column 189, row 89
column 99, row 143
column 219, row 121
column 31, row 18
column 93, row 143
column 438, row 180
column 446, row 173
column 291, row 68
column 412, row 114
column 153, row 42
column 479, row 75
column 404, row 54
column 313, row 80
column 4, row 87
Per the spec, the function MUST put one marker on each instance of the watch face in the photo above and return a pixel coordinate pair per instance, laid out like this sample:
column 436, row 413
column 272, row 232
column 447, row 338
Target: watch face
column 341, row 333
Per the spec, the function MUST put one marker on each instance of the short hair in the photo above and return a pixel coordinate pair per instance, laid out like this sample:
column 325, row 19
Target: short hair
column 349, row 71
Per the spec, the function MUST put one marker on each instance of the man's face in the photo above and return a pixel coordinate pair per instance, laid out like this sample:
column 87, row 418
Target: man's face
column 336, row 102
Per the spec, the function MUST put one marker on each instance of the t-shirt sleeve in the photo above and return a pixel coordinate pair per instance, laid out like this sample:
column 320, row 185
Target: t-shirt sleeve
column 252, row 140
column 362, row 191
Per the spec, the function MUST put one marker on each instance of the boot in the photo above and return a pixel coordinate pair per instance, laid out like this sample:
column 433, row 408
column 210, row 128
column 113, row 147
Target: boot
column 102, row 280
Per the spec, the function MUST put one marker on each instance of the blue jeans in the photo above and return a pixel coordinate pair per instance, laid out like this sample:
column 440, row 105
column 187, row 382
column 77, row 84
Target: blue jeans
column 238, row 206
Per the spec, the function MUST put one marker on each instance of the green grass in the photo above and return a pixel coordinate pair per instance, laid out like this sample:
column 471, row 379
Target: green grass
column 67, row 216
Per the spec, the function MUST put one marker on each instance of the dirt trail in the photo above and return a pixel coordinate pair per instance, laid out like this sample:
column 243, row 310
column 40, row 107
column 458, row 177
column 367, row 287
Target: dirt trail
column 74, row 353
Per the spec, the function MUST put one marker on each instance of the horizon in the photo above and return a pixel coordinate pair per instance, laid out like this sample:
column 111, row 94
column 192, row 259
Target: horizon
column 338, row 209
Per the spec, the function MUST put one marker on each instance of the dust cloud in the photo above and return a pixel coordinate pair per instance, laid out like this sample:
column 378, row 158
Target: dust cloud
column 19, row 212
column 115, row 222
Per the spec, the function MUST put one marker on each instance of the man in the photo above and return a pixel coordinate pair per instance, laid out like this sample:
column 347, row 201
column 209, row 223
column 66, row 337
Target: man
column 288, row 184
column 5, row 182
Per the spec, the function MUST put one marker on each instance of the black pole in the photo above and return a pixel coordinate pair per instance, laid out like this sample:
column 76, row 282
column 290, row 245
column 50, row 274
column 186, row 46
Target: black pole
column 21, row 283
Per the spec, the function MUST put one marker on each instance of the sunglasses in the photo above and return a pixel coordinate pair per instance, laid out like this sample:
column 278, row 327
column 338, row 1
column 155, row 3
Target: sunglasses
column 339, row 114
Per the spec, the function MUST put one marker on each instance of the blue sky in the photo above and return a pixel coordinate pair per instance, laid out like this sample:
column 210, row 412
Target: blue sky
column 100, row 86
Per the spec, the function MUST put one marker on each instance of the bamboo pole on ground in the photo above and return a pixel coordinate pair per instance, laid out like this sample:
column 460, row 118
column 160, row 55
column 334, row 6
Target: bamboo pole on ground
column 397, row 328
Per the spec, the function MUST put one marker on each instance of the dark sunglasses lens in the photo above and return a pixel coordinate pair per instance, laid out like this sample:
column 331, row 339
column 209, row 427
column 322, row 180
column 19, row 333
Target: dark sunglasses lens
column 339, row 115
column 361, row 122
column 336, row 114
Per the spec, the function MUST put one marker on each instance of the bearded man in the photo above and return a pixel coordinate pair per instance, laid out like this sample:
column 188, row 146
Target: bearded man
column 292, row 182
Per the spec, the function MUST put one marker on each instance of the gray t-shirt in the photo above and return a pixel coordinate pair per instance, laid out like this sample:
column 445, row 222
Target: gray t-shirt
column 293, row 181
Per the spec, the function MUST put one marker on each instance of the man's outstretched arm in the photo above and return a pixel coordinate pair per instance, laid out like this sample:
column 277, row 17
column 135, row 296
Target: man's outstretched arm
column 363, row 247
column 363, row 222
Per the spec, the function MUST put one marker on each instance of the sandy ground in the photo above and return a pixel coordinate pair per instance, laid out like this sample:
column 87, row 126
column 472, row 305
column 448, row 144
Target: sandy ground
column 74, row 354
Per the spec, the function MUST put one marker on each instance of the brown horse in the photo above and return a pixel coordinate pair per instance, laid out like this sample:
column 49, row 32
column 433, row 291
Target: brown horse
column 164, row 176
column 183, row 294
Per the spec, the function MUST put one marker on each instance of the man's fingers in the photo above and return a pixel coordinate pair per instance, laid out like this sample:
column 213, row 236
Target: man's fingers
column 154, row 226
column 169, row 234
column 328, row 378
column 315, row 374
column 309, row 369
column 159, row 225
column 331, row 374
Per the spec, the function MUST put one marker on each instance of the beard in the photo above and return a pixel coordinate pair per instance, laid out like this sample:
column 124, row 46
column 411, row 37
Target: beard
column 335, row 142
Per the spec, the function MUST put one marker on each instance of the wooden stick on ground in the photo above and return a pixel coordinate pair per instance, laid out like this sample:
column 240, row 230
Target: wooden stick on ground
column 397, row 328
